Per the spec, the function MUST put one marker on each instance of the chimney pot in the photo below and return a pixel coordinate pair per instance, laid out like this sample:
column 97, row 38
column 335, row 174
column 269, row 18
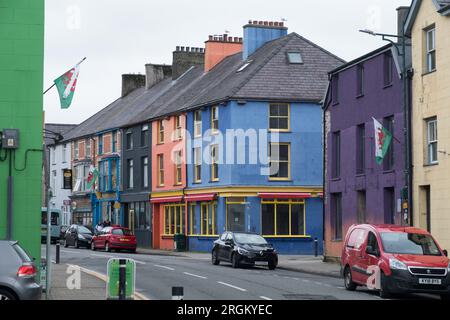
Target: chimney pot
column 261, row 23
column 271, row 24
column 266, row 23
column 211, row 38
column 281, row 24
column 250, row 21
column 240, row 40
column 255, row 22
column 225, row 38
column 275, row 24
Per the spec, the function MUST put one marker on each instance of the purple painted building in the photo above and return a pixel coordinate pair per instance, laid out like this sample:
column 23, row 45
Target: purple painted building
column 357, row 189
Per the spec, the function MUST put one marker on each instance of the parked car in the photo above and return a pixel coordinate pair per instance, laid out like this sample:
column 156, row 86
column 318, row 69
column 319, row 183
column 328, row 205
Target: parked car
column 78, row 236
column 243, row 248
column 17, row 273
column 114, row 238
column 406, row 259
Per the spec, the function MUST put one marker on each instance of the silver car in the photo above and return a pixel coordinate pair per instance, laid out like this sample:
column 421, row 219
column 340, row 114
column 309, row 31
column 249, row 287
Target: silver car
column 17, row 273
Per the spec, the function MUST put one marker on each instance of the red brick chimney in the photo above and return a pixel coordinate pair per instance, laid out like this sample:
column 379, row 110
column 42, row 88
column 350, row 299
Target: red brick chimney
column 218, row 48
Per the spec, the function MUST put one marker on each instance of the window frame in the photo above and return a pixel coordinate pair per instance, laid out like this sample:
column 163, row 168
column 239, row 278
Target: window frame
column 388, row 69
column 214, row 127
column 214, row 148
column 130, row 172
column 177, row 128
column 336, row 149
column 211, row 210
column 360, row 83
column 430, row 53
column 361, row 149
column 197, row 165
column 76, row 150
column 145, row 168
column 290, row 202
column 100, row 144
column 87, row 148
column 160, row 168
column 198, row 123
column 178, row 167
column 430, row 142
column 288, row 117
column 289, row 161
column 160, row 131
column 192, row 218
column 178, row 216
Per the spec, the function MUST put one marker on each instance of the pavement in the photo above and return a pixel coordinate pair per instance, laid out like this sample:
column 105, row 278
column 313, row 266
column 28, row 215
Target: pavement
column 65, row 287
column 299, row 263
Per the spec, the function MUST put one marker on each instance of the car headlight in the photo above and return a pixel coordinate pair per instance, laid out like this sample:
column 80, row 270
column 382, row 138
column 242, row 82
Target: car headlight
column 396, row 264
column 242, row 251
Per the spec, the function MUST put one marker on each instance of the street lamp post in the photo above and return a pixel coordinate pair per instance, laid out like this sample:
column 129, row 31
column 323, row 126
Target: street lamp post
column 401, row 51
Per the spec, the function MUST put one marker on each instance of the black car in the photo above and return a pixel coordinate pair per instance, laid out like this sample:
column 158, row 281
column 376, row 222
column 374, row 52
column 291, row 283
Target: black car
column 243, row 248
column 78, row 236
column 62, row 234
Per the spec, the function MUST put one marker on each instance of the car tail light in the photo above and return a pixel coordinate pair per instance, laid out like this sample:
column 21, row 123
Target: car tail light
column 27, row 271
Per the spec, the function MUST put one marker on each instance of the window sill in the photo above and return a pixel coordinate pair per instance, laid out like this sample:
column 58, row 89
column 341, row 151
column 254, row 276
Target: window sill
column 431, row 164
column 335, row 104
column 167, row 236
column 359, row 175
column 388, row 171
column 428, row 72
column 335, row 179
column 359, row 96
column 197, row 182
column 386, row 86
column 177, row 184
column 212, row 181
column 336, row 240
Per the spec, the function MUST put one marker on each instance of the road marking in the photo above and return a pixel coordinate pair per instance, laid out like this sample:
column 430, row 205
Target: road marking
column 195, row 275
column 318, row 283
column 305, row 280
column 265, row 298
column 231, row 286
column 164, row 267
column 137, row 295
column 101, row 255
column 67, row 251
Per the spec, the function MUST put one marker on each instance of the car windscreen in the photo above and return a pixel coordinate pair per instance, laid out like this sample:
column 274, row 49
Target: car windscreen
column 246, row 238
column 22, row 253
column 122, row 232
column 409, row 243
column 82, row 229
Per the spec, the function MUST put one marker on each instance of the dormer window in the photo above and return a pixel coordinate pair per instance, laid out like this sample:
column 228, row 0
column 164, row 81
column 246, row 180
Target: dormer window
column 295, row 58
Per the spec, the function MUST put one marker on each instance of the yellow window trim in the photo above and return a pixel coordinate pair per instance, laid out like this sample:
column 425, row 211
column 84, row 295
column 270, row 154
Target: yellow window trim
column 208, row 205
column 214, row 131
column 289, row 202
column 170, row 207
column 288, row 162
column 214, row 147
column 288, row 117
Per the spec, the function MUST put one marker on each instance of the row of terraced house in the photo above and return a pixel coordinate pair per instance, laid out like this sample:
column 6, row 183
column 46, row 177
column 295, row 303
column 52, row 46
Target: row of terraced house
column 266, row 133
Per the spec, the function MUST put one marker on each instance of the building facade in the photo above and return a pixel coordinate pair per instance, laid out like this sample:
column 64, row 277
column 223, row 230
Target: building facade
column 428, row 25
column 22, row 62
column 357, row 189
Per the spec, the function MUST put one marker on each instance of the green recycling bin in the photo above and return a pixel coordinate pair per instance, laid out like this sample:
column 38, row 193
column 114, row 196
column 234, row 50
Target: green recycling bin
column 179, row 242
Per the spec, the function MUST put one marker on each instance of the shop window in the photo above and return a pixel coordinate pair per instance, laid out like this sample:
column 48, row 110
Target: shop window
column 174, row 219
column 283, row 218
column 235, row 215
column 208, row 219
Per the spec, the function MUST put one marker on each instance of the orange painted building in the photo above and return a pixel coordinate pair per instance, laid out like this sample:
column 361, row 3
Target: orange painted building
column 168, row 179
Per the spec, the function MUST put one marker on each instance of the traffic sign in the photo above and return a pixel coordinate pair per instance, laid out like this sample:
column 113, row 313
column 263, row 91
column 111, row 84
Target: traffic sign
column 113, row 285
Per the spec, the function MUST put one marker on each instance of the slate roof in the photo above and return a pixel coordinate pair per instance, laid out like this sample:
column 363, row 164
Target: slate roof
column 268, row 77
column 57, row 128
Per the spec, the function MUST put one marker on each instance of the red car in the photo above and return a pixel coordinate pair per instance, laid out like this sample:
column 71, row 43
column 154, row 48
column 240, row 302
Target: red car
column 394, row 259
column 114, row 238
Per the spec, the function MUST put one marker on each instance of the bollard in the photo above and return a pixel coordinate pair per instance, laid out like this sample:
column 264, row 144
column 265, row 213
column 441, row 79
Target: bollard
column 58, row 248
column 177, row 293
column 316, row 247
column 122, row 277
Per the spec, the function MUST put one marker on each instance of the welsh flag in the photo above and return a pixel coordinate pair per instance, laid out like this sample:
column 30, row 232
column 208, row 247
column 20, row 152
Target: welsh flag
column 92, row 177
column 66, row 85
column 383, row 139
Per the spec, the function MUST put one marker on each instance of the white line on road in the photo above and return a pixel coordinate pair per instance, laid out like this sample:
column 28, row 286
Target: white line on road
column 164, row 267
column 101, row 255
column 265, row 298
column 67, row 251
column 195, row 275
column 231, row 286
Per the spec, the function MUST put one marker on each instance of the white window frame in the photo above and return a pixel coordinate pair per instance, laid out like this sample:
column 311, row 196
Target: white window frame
column 430, row 51
column 197, row 123
column 432, row 144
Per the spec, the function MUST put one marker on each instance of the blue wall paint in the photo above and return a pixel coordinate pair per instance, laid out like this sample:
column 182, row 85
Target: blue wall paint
column 256, row 37
column 305, row 138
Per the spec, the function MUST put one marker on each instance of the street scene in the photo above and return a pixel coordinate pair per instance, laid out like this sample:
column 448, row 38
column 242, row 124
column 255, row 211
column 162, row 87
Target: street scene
column 209, row 153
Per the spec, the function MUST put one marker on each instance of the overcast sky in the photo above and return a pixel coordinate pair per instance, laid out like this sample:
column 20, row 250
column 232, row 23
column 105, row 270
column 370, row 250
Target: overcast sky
column 121, row 36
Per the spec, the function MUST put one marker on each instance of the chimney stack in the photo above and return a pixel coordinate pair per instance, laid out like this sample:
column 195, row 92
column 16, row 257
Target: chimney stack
column 258, row 33
column 131, row 82
column 184, row 58
column 155, row 73
column 218, row 48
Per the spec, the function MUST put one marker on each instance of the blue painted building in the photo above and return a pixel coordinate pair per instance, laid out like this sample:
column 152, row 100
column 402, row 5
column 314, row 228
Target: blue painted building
column 254, row 143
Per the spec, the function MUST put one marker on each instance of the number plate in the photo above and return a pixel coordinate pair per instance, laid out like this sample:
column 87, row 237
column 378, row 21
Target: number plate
column 430, row 281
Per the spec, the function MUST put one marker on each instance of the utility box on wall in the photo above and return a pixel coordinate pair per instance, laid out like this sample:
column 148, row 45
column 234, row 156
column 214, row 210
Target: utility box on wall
column 10, row 139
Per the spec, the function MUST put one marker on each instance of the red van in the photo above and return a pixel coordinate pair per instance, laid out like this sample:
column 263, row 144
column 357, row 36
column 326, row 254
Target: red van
column 394, row 259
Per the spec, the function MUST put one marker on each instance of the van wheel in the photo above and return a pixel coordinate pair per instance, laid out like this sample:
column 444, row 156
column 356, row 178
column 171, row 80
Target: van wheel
column 384, row 292
column 235, row 260
column 348, row 280
column 215, row 258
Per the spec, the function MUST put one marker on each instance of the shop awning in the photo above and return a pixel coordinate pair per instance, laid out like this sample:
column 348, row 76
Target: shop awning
column 200, row 197
column 166, row 199
column 284, row 195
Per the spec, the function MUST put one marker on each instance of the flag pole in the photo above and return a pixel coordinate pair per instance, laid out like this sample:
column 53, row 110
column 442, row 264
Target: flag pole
column 54, row 84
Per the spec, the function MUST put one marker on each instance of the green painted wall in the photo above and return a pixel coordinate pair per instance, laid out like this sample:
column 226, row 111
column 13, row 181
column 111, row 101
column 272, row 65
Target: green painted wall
column 21, row 83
